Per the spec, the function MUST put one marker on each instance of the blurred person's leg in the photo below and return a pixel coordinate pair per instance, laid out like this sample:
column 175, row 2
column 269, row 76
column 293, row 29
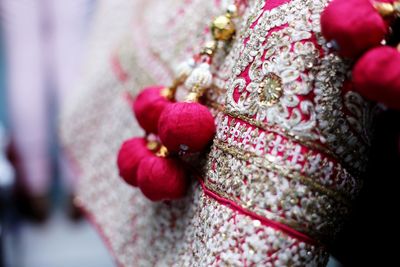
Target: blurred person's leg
column 3, row 102
column 70, row 21
column 26, row 84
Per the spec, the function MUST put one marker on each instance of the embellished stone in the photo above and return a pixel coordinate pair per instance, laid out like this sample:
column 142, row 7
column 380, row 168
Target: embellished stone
column 270, row 89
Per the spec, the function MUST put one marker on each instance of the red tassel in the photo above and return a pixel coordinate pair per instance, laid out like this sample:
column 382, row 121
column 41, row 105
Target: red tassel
column 354, row 25
column 162, row 178
column 377, row 76
column 186, row 127
column 130, row 154
column 148, row 106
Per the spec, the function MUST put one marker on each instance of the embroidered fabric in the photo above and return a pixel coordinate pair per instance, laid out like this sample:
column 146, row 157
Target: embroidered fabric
column 291, row 143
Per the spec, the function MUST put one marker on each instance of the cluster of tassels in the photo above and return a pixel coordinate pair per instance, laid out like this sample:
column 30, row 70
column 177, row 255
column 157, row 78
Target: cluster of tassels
column 147, row 165
column 364, row 30
column 175, row 128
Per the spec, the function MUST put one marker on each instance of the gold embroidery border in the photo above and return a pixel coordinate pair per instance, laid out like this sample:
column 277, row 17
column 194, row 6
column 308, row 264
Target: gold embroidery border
column 339, row 196
column 303, row 228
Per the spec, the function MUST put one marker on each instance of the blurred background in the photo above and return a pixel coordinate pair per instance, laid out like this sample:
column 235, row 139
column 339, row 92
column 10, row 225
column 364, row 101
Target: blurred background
column 42, row 43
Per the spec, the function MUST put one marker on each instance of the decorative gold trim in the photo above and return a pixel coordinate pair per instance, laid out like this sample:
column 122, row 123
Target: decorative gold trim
column 283, row 171
column 268, row 214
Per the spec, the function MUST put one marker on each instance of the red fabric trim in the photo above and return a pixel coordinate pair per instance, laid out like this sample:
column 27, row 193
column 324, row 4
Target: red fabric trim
column 275, row 225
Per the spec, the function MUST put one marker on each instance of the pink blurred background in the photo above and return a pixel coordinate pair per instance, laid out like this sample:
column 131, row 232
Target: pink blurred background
column 42, row 46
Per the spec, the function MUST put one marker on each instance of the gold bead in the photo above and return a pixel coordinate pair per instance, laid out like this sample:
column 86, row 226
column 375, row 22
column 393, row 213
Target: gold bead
column 384, row 9
column 222, row 28
column 162, row 152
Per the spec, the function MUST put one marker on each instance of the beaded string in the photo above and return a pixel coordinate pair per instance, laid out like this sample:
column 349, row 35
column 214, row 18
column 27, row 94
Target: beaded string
column 195, row 73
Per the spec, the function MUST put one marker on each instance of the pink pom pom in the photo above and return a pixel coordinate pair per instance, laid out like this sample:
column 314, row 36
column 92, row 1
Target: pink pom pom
column 186, row 127
column 148, row 106
column 354, row 25
column 377, row 76
column 130, row 154
column 161, row 178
